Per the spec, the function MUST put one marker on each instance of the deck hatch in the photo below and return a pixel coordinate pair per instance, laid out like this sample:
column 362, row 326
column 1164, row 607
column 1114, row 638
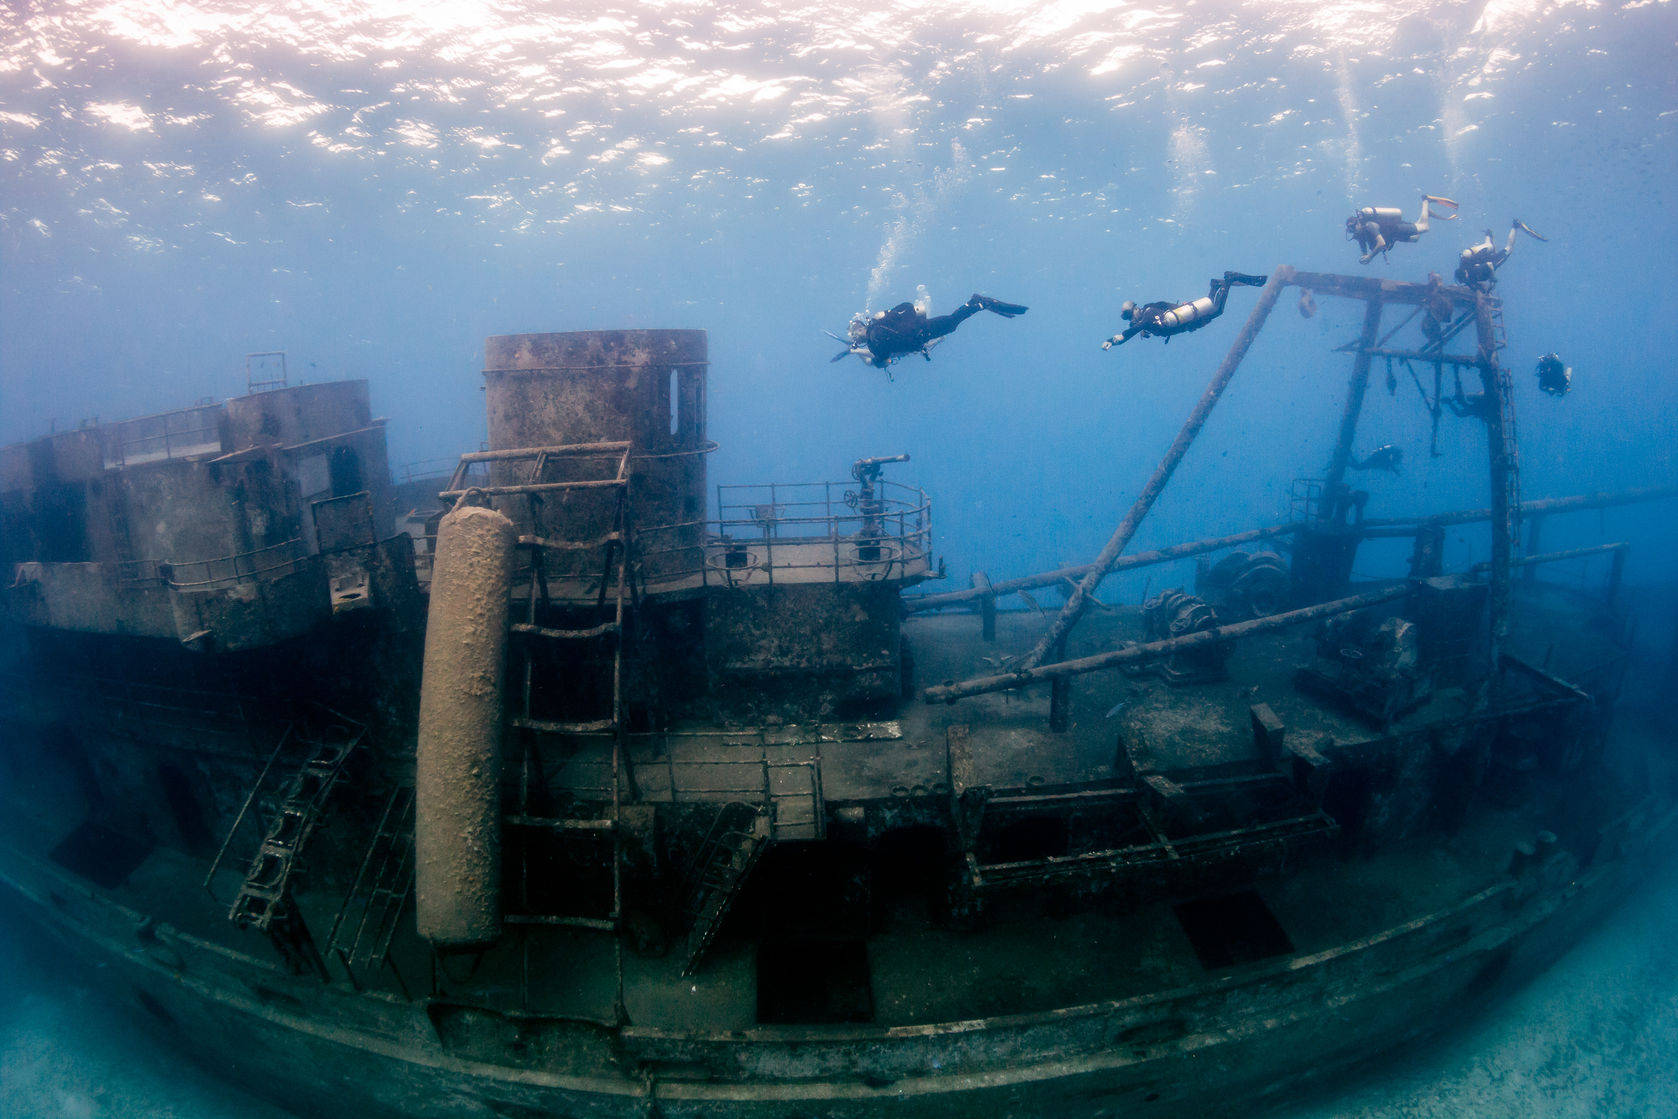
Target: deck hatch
column 1232, row 929
column 813, row 980
column 100, row 855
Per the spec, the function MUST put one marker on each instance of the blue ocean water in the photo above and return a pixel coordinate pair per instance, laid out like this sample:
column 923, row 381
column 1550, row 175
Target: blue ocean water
column 375, row 187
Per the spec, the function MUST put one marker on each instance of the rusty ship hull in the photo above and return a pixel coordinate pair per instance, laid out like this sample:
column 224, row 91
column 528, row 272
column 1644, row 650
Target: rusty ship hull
column 1181, row 1050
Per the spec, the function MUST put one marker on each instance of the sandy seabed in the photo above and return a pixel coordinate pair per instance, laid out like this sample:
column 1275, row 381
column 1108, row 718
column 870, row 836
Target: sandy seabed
column 1596, row 1035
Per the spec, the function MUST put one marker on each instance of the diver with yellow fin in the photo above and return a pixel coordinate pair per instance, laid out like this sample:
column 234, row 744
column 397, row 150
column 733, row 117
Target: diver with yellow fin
column 1377, row 229
column 1166, row 319
column 1478, row 264
column 907, row 329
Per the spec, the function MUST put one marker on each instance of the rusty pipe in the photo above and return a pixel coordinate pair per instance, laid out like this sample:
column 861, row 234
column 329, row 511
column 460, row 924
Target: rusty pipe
column 1155, row 650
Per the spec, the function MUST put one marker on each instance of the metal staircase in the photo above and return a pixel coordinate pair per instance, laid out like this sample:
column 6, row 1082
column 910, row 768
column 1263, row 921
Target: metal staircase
column 724, row 859
column 264, row 900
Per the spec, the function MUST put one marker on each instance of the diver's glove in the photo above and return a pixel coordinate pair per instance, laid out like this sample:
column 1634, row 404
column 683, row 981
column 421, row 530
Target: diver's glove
column 1107, row 345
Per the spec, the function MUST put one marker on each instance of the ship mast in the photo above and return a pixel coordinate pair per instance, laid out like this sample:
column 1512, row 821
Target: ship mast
column 1324, row 536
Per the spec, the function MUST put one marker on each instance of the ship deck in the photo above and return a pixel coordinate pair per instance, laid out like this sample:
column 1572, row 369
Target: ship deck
column 915, row 969
column 910, row 965
column 1119, row 724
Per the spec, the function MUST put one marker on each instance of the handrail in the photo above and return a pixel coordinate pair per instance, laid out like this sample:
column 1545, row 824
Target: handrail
column 156, row 437
column 515, row 453
column 598, row 365
column 897, row 526
column 243, row 565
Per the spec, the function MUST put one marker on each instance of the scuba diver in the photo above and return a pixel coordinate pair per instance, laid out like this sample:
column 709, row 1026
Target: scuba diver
column 1478, row 264
column 1164, row 319
column 906, row 329
column 1385, row 457
column 1377, row 229
column 1554, row 377
column 1438, row 309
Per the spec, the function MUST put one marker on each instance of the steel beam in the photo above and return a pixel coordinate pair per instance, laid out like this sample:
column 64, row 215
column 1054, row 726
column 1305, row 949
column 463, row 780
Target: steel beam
column 1155, row 650
column 1079, row 601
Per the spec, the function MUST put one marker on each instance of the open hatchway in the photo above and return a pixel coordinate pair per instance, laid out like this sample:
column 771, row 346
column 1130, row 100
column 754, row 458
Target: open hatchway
column 809, row 909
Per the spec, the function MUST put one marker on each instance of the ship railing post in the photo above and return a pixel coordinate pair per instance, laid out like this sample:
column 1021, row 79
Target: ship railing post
column 987, row 606
column 1060, row 695
column 1535, row 533
column 832, row 530
column 396, row 973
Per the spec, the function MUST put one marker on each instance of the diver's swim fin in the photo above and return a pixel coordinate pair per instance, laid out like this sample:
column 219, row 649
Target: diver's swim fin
column 1529, row 231
column 1006, row 310
column 1432, row 200
column 1244, row 278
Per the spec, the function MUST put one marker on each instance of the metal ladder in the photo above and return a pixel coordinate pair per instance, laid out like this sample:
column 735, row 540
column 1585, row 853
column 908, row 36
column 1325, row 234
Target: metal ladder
column 718, row 872
column 612, row 600
column 264, row 900
column 616, row 577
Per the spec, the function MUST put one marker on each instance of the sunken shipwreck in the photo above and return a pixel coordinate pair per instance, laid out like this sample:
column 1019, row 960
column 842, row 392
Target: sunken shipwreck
column 563, row 783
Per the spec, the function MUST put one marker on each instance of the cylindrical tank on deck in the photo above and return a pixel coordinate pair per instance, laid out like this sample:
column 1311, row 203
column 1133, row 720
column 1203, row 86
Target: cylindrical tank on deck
column 644, row 387
column 457, row 825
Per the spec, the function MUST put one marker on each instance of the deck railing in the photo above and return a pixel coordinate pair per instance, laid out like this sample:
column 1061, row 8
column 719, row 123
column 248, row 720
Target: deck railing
column 803, row 532
column 796, row 531
column 271, row 563
column 189, row 431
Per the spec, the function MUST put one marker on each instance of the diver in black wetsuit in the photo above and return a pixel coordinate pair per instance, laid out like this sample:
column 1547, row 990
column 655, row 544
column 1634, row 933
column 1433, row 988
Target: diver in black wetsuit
column 1478, row 264
column 1377, row 229
column 1554, row 377
column 905, row 329
column 1163, row 319
column 1437, row 309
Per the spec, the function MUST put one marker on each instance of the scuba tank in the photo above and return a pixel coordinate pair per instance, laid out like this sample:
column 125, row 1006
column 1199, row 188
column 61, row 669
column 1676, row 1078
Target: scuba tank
column 1184, row 314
